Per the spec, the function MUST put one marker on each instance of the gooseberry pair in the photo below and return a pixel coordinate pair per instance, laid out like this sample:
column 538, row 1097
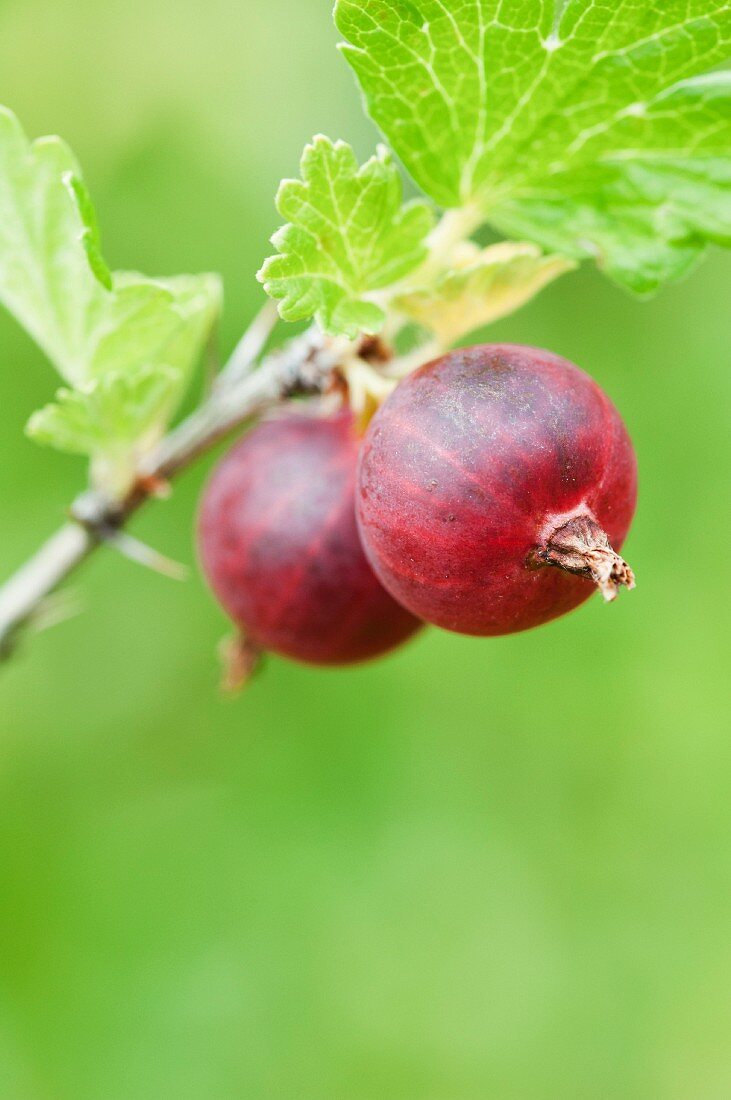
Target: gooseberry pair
column 487, row 496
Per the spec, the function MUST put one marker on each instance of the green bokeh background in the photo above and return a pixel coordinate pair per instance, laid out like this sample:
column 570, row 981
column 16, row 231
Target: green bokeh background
column 478, row 869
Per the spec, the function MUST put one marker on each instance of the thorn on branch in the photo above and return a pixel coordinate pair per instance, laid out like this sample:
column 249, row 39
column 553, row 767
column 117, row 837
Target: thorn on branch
column 57, row 608
column 142, row 554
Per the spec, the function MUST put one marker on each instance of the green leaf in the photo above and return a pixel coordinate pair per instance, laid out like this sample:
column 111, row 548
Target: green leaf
column 142, row 358
column 46, row 280
column 169, row 327
column 349, row 235
column 126, row 343
column 52, row 274
column 124, row 407
column 489, row 284
column 198, row 301
column 118, row 407
column 113, row 420
column 90, row 236
column 590, row 129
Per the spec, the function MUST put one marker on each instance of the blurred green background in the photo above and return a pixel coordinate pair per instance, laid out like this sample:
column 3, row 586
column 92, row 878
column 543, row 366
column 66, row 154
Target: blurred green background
column 478, row 869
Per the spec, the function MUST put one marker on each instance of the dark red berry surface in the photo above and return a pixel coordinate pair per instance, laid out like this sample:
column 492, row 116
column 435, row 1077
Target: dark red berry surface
column 279, row 544
column 469, row 469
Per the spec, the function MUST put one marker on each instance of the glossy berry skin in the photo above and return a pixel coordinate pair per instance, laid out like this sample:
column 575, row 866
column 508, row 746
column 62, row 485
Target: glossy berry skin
column 468, row 471
column 279, row 545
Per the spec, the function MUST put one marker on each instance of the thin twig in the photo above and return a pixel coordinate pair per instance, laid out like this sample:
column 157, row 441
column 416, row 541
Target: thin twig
column 303, row 366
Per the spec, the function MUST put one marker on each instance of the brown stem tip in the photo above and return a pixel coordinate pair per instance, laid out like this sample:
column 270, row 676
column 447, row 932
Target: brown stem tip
column 581, row 546
column 240, row 660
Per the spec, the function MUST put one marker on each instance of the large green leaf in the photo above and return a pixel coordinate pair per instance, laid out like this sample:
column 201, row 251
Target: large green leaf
column 591, row 129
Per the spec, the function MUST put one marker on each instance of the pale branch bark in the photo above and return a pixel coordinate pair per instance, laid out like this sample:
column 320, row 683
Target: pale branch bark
column 24, row 594
column 242, row 392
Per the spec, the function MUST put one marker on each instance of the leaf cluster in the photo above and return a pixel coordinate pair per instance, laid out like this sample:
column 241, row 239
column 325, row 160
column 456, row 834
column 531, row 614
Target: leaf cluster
column 585, row 130
column 576, row 129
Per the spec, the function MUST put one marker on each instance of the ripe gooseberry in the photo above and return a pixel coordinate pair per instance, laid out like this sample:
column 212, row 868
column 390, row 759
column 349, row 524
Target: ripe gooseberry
column 279, row 545
column 493, row 485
